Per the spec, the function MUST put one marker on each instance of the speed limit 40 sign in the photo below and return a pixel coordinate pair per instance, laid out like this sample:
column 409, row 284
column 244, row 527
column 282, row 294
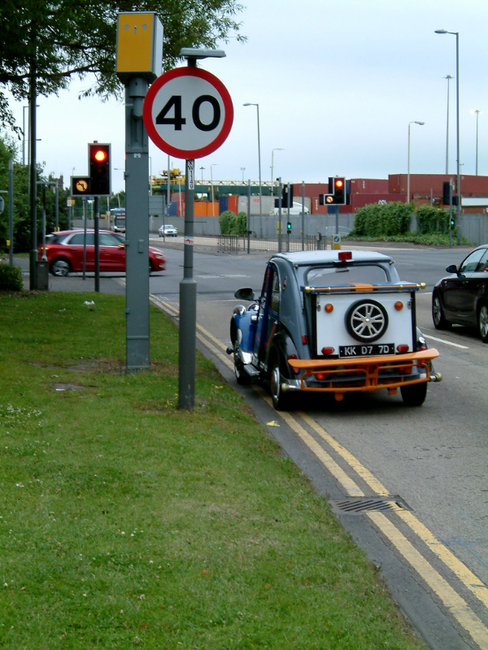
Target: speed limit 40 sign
column 188, row 112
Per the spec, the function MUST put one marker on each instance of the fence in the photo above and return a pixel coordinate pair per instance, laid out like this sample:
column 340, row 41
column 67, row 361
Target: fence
column 234, row 244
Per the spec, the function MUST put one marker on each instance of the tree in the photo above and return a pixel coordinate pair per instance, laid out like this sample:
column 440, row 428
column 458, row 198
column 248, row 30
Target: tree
column 56, row 40
column 20, row 209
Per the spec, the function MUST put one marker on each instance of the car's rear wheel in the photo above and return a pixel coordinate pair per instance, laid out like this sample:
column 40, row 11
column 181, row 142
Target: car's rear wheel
column 438, row 318
column 415, row 394
column 60, row 267
column 483, row 323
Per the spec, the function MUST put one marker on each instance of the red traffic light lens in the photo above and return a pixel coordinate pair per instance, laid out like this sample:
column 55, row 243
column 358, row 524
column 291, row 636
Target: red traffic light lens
column 100, row 155
column 339, row 183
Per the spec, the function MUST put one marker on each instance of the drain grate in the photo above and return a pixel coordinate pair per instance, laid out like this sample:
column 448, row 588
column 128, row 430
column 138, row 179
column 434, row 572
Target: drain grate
column 358, row 505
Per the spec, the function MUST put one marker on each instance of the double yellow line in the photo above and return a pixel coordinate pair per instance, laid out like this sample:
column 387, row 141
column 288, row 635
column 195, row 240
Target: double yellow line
column 303, row 425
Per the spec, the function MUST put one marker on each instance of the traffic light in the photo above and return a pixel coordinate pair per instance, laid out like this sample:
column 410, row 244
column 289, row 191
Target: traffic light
column 339, row 191
column 99, row 168
column 287, row 195
column 288, row 227
column 452, row 222
column 446, row 192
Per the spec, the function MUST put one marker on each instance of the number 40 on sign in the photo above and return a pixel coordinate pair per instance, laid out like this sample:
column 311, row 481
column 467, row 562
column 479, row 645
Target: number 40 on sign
column 188, row 113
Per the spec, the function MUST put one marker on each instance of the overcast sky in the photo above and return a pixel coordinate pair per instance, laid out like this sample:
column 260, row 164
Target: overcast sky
column 337, row 84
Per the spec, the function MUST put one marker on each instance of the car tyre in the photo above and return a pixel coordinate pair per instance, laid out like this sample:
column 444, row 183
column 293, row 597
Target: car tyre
column 366, row 320
column 60, row 267
column 438, row 317
column 415, row 394
column 275, row 380
column 483, row 322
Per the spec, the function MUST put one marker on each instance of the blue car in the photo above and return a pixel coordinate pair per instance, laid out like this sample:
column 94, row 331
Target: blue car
column 331, row 322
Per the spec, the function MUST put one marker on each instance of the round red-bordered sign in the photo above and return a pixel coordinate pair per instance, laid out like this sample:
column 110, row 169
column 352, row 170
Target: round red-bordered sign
column 188, row 112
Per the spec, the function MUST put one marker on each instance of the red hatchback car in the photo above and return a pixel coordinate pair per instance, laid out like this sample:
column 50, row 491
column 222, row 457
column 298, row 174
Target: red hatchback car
column 64, row 252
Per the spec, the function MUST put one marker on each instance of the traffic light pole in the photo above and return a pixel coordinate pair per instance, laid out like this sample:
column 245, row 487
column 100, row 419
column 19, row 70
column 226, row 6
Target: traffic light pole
column 96, row 210
column 137, row 228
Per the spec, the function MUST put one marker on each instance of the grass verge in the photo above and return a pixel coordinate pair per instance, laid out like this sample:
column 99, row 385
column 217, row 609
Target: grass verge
column 125, row 521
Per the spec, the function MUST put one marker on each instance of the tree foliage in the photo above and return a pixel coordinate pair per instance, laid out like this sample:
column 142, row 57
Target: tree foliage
column 58, row 39
column 383, row 220
column 232, row 223
column 392, row 220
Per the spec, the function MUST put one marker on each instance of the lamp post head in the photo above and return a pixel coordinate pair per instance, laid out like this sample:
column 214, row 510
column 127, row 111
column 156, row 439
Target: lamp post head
column 446, row 31
column 196, row 53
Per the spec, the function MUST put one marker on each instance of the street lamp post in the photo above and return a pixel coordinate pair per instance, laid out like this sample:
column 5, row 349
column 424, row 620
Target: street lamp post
column 448, row 77
column 272, row 167
column 477, row 113
column 212, row 193
column 408, row 157
column 458, row 163
column 259, row 156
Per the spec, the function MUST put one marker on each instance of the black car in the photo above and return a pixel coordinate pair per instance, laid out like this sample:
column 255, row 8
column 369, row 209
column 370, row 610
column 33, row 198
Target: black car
column 462, row 297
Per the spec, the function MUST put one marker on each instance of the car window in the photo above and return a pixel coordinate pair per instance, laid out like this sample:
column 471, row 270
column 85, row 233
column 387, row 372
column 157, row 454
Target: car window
column 106, row 239
column 470, row 264
column 483, row 263
column 275, row 291
column 337, row 275
column 78, row 238
column 271, row 288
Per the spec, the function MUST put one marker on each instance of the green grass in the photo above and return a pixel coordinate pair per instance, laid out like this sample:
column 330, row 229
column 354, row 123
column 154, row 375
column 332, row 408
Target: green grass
column 125, row 521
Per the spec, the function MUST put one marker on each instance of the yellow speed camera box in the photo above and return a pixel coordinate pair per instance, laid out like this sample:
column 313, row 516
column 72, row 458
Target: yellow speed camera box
column 139, row 45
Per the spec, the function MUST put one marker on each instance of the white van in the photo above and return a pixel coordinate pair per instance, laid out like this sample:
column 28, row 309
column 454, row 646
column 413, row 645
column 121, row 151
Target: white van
column 295, row 210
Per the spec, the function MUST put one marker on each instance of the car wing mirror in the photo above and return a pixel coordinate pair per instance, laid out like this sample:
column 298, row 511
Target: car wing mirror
column 452, row 268
column 244, row 294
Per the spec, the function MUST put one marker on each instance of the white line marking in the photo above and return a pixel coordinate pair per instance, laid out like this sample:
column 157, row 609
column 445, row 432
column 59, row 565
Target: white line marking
column 455, row 345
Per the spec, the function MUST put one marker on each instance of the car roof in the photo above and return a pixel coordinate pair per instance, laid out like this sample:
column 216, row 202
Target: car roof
column 60, row 233
column 311, row 258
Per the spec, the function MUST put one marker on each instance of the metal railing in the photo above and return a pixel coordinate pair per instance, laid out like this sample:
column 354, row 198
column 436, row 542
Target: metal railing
column 235, row 244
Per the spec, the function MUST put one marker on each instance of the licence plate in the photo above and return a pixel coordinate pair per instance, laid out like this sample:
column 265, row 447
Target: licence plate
column 366, row 350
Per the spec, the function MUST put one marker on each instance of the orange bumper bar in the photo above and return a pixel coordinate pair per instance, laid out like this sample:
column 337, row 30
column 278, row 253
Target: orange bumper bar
column 390, row 371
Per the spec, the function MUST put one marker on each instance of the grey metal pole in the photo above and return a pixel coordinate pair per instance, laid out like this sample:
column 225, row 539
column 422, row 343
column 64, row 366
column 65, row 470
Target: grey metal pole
column 96, row 237
column 448, row 77
column 248, row 215
column 85, row 217
column 477, row 112
column 259, row 168
column 458, row 162
column 11, row 212
column 280, row 199
column 303, row 215
column 137, row 229
column 56, row 188
column 188, row 300
column 33, row 177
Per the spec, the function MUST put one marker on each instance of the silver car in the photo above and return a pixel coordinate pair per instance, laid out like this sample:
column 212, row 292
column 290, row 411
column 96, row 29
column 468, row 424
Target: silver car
column 168, row 230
